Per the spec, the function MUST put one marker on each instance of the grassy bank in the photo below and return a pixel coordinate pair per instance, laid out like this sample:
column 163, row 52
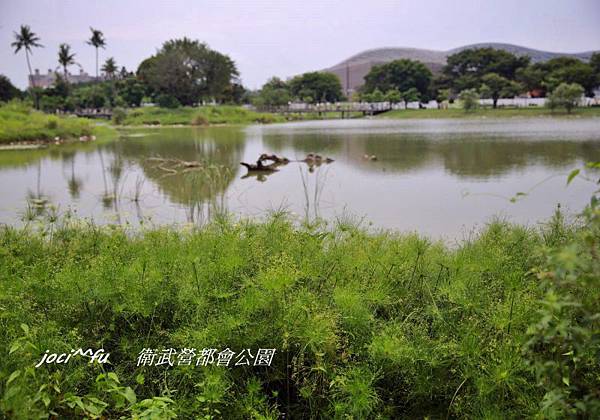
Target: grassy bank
column 18, row 123
column 490, row 113
column 364, row 325
column 207, row 115
column 222, row 114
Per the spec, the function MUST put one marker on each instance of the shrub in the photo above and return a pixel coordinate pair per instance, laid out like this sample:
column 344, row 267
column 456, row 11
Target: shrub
column 565, row 96
column 469, row 99
column 564, row 340
column 199, row 119
column 118, row 116
column 167, row 101
column 52, row 123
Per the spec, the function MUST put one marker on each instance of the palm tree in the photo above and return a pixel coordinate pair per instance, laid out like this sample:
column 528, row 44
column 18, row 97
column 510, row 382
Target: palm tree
column 110, row 68
column 65, row 58
column 26, row 39
column 97, row 41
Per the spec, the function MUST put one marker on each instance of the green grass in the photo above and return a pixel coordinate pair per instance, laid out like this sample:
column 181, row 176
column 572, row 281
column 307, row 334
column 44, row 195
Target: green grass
column 489, row 113
column 222, row 114
column 209, row 115
column 365, row 324
column 18, row 122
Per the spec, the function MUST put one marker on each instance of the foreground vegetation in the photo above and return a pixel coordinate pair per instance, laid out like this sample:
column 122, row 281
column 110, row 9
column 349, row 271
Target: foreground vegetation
column 490, row 113
column 365, row 325
column 18, row 122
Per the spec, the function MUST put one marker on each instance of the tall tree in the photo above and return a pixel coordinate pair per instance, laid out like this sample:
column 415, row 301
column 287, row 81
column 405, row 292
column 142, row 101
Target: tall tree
column 401, row 75
column 465, row 69
column 97, row 41
column 65, row 58
column 7, row 90
column 26, row 39
column 317, row 87
column 110, row 67
column 546, row 76
column 498, row 87
column 189, row 71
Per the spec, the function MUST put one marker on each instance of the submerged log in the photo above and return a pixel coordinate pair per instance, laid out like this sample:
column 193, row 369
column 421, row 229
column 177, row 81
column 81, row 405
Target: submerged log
column 274, row 158
column 258, row 166
column 313, row 158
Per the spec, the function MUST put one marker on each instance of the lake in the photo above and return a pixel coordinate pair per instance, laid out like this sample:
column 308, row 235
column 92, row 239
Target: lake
column 442, row 178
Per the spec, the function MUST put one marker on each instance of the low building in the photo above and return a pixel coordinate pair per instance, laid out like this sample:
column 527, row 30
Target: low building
column 45, row 81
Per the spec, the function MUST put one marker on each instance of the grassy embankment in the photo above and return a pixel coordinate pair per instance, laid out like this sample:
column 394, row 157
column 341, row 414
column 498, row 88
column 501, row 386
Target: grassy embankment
column 489, row 113
column 364, row 324
column 20, row 123
column 207, row 115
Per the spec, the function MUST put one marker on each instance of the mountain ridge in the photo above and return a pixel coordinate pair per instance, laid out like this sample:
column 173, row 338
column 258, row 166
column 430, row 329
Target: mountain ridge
column 352, row 70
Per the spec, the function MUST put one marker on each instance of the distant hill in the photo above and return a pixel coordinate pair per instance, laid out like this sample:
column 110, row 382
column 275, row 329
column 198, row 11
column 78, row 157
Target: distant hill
column 356, row 67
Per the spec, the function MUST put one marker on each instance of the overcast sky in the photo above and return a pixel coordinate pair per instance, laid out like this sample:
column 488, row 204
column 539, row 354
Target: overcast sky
column 284, row 38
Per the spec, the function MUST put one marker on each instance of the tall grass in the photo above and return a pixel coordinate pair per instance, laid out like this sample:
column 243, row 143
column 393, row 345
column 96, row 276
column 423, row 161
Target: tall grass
column 365, row 325
column 222, row 114
column 18, row 122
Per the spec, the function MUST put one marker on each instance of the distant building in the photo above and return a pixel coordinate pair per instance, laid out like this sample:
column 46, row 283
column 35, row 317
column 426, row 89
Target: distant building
column 45, row 81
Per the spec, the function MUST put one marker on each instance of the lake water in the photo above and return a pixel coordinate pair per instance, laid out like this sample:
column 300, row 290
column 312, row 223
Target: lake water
column 442, row 178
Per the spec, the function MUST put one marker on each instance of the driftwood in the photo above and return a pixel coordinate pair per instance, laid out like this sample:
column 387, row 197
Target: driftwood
column 314, row 159
column 262, row 166
column 274, row 158
column 175, row 166
column 258, row 166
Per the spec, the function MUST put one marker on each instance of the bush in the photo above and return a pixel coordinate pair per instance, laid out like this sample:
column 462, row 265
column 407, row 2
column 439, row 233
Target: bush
column 118, row 116
column 565, row 96
column 564, row 340
column 167, row 101
column 469, row 99
column 52, row 123
column 199, row 119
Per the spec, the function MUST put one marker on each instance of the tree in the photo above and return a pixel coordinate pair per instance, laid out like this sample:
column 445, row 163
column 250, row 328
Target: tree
column 443, row 95
column 275, row 92
column 465, row 69
column 497, row 86
column 316, row 87
column 26, row 39
column 97, row 41
column 532, row 78
column 65, row 58
column 393, row 96
column 188, row 71
column 410, row 95
column 566, row 95
column 131, row 91
column 469, row 99
column 7, row 90
column 109, row 68
column 546, row 76
column 401, row 75
column 595, row 62
column 570, row 70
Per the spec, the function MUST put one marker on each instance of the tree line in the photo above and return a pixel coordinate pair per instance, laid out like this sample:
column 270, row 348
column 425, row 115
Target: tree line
column 485, row 72
column 182, row 72
column 188, row 72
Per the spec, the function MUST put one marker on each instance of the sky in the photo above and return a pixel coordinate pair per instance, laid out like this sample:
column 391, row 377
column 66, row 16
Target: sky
column 284, row 37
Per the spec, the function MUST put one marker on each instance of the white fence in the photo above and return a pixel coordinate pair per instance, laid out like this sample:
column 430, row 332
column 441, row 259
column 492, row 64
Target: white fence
column 383, row 106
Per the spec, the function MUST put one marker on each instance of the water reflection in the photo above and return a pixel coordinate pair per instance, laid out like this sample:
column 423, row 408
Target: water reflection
column 462, row 154
column 436, row 177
